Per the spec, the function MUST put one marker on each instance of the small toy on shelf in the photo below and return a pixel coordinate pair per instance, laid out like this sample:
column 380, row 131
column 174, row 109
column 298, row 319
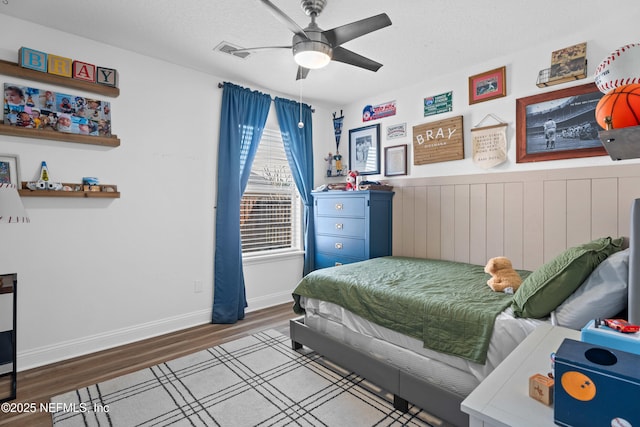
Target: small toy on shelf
column 43, row 182
column 329, row 161
column 338, row 158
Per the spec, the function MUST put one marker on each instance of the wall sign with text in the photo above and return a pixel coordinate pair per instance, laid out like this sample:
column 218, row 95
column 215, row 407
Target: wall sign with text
column 439, row 141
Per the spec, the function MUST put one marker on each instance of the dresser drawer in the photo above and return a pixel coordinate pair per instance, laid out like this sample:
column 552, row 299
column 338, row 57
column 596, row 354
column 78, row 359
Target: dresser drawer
column 327, row 260
column 342, row 246
column 341, row 226
column 341, row 206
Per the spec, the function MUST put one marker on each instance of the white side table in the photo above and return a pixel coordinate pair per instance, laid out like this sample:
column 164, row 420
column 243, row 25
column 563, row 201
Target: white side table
column 502, row 399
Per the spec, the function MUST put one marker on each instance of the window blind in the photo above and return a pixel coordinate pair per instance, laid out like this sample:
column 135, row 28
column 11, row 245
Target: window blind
column 270, row 211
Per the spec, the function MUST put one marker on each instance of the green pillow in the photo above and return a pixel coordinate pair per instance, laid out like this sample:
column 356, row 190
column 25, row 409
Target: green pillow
column 547, row 287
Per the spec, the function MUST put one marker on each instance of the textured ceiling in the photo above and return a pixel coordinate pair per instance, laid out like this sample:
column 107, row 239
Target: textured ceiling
column 427, row 36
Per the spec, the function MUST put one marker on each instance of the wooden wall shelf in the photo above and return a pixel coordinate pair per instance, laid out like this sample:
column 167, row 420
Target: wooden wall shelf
column 545, row 79
column 12, row 69
column 108, row 141
column 25, row 192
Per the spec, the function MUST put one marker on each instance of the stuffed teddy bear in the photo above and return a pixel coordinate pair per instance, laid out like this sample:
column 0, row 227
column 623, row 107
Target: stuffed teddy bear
column 503, row 277
column 351, row 180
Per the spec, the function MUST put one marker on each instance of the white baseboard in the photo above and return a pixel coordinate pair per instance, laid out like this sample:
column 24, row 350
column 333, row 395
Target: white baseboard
column 259, row 303
column 79, row 347
column 91, row 344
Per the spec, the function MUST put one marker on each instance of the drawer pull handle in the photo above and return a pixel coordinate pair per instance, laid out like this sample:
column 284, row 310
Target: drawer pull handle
column 338, row 245
column 338, row 226
column 338, row 206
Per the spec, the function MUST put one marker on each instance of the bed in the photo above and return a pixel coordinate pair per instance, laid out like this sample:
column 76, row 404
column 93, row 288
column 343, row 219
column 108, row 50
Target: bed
column 411, row 355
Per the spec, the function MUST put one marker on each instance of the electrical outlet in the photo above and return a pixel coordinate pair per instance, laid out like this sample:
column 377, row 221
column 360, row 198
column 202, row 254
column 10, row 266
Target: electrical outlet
column 197, row 286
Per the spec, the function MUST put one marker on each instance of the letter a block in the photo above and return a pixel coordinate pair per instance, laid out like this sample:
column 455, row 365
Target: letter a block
column 84, row 71
column 60, row 65
column 33, row 59
column 106, row 76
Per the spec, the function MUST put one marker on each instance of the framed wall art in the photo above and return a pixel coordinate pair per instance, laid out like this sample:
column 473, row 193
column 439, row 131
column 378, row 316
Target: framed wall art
column 558, row 125
column 364, row 150
column 439, row 141
column 9, row 172
column 395, row 160
column 397, row 131
column 488, row 85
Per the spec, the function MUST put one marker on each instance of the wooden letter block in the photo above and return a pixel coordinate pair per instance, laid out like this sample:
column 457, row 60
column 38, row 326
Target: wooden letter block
column 106, row 76
column 60, row 65
column 33, row 59
column 84, row 71
column 541, row 388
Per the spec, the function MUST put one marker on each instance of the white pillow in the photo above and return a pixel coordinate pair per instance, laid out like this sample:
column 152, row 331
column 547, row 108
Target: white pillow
column 602, row 294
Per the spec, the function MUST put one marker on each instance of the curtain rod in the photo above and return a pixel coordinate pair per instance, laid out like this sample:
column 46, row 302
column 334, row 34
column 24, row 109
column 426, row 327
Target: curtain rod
column 221, row 85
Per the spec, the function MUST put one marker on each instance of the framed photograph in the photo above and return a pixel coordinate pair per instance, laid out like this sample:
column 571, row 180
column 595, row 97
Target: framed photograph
column 558, row 125
column 569, row 62
column 395, row 160
column 34, row 108
column 9, row 173
column 364, row 150
column 488, row 85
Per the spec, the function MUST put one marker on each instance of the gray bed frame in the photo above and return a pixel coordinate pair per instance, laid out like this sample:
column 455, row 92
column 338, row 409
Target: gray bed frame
column 407, row 388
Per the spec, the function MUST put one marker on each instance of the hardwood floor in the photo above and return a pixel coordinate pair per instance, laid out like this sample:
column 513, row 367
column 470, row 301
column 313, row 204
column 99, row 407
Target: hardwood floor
column 40, row 384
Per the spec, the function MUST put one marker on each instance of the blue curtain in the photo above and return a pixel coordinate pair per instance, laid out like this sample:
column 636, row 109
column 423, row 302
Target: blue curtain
column 244, row 113
column 298, row 145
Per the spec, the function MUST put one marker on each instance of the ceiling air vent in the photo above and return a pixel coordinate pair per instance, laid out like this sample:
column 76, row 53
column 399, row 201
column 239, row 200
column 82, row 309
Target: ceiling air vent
column 225, row 47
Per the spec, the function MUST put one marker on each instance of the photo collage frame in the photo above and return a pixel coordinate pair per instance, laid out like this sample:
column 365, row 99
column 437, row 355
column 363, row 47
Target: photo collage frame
column 34, row 108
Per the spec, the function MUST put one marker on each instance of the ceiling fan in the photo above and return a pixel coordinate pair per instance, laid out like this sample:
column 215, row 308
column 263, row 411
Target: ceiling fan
column 314, row 48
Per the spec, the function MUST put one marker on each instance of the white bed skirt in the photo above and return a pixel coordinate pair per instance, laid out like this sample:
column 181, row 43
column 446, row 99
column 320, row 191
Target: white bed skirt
column 453, row 373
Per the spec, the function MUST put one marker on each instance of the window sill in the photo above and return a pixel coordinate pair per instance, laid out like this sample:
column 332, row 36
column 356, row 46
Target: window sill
column 282, row 255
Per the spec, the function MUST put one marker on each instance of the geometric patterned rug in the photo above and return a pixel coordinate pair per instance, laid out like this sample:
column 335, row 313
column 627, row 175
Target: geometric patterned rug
column 253, row 381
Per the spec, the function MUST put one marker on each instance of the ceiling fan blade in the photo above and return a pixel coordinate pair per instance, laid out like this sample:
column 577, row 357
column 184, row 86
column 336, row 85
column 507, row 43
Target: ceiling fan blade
column 302, row 73
column 282, row 17
column 254, row 49
column 341, row 54
column 343, row 34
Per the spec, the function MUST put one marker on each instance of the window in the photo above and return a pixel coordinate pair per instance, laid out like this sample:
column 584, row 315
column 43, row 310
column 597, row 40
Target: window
column 270, row 209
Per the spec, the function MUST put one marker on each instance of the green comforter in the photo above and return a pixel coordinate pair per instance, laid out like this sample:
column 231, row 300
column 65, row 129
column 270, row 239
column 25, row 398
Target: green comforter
column 446, row 304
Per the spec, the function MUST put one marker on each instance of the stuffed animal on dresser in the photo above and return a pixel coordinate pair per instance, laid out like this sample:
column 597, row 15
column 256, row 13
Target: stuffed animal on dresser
column 503, row 277
column 351, row 180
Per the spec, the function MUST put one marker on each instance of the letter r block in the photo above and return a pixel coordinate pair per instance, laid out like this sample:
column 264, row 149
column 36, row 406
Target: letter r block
column 33, row 59
column 84, row 71
column 60, row 65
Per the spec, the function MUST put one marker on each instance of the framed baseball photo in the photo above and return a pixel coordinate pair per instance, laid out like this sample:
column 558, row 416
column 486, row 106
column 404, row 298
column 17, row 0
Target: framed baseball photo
column 364, row 150
column 558, row 125
column 488, row 85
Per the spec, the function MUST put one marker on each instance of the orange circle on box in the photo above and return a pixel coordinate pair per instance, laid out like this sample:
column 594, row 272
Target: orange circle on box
column 578, row 385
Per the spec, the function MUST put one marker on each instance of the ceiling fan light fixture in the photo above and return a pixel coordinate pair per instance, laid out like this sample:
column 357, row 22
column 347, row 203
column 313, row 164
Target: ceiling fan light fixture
column 312, row 54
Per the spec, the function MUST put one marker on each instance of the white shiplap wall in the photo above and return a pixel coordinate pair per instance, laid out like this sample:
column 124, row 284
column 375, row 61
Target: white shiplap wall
column 529, row 217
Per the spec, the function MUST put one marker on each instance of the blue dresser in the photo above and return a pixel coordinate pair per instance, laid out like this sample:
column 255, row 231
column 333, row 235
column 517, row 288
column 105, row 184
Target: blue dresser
column 352, row 226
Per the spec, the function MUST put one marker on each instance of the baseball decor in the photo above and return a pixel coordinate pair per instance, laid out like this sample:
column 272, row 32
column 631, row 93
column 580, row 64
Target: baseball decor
column 621, row 67
column 619, row 108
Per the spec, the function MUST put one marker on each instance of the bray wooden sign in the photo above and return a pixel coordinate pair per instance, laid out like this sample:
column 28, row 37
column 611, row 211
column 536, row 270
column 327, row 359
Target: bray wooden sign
column 439, row 141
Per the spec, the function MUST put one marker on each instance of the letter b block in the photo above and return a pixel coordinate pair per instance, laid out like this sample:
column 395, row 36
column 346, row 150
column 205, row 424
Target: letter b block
column 33, row 59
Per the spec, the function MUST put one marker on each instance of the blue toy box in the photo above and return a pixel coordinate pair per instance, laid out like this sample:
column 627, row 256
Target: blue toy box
column 607, row 337
column 595, row 386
